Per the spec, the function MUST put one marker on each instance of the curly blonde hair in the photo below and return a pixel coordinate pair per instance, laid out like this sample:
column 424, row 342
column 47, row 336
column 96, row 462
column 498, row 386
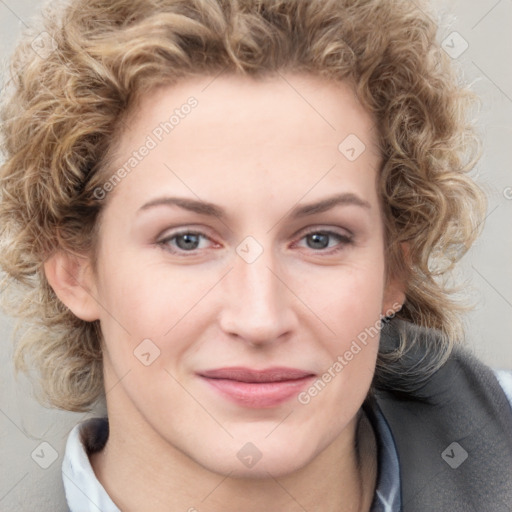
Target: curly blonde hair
column 64, row 110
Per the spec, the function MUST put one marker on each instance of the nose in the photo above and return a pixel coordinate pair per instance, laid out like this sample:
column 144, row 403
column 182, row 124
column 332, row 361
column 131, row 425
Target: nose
column 257, row 305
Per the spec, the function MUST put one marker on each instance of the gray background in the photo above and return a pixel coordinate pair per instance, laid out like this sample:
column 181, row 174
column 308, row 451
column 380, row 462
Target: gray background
column 485, row 26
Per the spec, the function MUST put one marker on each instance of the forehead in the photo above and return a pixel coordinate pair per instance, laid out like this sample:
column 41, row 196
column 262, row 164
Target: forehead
column 250, row 111
column 288, row 131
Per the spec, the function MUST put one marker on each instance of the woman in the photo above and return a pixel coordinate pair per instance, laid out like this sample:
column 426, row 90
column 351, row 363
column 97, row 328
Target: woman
column 233, row 220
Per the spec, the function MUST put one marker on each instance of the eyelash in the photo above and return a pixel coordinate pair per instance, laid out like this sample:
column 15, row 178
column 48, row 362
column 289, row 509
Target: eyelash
column 345, row 240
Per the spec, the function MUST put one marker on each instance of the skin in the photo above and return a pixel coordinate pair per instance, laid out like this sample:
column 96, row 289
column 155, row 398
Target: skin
column 258, row 150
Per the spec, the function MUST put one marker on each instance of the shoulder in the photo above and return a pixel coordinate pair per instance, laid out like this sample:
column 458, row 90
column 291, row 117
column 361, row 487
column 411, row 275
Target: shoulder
column 461, row 388
column 459, row 417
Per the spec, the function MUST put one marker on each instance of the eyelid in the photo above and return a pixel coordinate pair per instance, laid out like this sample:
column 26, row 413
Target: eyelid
column 344, row 240
column 328, row 230
column 171, row 232
column 163, row 241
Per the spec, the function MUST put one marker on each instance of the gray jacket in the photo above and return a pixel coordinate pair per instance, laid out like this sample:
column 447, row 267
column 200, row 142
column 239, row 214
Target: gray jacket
column 453, row 431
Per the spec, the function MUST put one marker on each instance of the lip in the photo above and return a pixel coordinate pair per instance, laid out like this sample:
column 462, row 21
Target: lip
column 257, row 388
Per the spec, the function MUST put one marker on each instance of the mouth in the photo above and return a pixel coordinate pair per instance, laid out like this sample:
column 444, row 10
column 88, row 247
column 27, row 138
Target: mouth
column 257, row 388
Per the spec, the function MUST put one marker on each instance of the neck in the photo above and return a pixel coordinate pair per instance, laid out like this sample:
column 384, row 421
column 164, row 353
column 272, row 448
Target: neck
column 141, row 471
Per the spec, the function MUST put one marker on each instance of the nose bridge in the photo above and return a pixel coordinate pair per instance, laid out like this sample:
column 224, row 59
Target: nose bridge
column 255, row 304
column 256, row 283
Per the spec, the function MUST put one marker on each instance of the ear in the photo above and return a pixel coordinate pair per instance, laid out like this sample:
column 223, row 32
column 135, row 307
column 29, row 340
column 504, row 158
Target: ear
column 73, row 282
column 394, row 293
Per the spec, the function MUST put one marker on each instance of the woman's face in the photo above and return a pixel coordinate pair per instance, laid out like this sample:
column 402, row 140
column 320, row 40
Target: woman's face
column 247, row 236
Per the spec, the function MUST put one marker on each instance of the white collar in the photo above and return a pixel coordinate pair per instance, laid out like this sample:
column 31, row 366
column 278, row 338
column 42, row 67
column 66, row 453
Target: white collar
column 84, row 493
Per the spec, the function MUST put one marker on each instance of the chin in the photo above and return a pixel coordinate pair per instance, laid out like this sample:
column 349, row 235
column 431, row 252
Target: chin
column 258, row 461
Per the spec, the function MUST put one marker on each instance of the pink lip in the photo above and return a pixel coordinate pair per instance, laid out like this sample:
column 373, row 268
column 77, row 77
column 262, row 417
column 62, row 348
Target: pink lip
column 257, row 388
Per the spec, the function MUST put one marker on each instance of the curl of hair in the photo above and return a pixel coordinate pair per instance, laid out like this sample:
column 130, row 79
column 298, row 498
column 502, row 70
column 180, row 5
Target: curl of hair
column 63, row 113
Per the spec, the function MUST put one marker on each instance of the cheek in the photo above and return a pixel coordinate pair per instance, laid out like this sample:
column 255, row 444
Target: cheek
column 346, row 298
column 144, row 297
column 151, row 302
column 348, row 301
column 353, row 315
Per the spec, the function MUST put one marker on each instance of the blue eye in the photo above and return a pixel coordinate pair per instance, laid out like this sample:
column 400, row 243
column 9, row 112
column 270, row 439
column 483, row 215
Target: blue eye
column 321, row 240
column 187, row 241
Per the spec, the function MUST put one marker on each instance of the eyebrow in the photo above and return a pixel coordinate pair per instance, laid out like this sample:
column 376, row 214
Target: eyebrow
column 210, row 209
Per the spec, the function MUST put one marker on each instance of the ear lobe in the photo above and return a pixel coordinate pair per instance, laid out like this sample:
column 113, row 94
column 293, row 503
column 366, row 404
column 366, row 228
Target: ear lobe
column 394, row 294
column 72, row 280
column 394, row 298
